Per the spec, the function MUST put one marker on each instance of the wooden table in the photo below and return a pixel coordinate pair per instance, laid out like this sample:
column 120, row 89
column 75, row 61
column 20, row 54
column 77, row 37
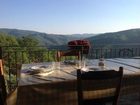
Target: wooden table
column 59, row 86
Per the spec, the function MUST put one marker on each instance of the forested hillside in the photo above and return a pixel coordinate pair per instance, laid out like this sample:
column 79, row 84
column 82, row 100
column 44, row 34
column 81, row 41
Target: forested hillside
column 43, row 38
column 122, row 37
column 59, row 41
column 8, row 40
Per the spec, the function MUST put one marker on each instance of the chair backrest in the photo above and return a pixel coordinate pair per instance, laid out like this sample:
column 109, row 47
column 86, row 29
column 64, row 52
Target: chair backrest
column 3, row 93
column 90, row 84
column 60, row 54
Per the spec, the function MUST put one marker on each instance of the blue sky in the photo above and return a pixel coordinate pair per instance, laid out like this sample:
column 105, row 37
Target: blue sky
column 70, row 16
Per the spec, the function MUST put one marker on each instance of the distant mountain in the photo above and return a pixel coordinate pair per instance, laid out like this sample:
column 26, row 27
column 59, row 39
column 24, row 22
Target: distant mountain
column 44, row 38
column 82, row 36
column 131, row 36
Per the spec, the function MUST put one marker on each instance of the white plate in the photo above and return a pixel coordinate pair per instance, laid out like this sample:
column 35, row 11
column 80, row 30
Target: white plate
column 40, row 69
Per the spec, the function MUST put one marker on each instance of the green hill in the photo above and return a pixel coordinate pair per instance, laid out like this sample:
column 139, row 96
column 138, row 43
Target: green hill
column 125, row 37
column 44, row 38
column 117, row 38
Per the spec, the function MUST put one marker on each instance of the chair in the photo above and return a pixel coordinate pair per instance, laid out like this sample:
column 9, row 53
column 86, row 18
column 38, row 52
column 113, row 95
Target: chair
column 60, row 54
column 105, row 83
column 76, row 48
column 3, row 93
column 6, row 99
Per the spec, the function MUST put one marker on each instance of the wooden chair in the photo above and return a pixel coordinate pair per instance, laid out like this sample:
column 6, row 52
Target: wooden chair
column 6, row 99
column 105, row 83
column 76, row 48
column 61, row 54
column 3, row 93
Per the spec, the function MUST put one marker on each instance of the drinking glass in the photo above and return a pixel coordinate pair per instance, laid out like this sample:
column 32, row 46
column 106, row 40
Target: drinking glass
column 55, row 65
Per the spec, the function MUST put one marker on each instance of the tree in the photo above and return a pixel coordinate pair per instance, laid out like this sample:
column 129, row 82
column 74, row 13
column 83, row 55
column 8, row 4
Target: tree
column 7, row 40
column 28, row 41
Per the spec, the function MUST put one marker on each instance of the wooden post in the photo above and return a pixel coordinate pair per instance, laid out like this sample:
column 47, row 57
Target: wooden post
column 1, row 67
column 58, row 56
column 0, row 52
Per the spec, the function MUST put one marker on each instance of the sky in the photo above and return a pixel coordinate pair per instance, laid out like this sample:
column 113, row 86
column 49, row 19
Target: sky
column 70, row 16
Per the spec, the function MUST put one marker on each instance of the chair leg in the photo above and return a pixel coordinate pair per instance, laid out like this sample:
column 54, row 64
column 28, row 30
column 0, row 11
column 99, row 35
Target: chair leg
column 1, row 100
column 139, row 97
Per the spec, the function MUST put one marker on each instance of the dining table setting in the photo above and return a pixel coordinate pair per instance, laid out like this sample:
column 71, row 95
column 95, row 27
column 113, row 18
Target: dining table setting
column 54, row 83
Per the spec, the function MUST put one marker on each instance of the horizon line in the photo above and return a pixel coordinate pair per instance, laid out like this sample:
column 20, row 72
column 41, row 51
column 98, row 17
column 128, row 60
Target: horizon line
column 69, row 34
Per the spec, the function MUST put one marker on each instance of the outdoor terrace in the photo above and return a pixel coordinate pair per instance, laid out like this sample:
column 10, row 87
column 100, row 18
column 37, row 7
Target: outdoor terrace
column 14, row 57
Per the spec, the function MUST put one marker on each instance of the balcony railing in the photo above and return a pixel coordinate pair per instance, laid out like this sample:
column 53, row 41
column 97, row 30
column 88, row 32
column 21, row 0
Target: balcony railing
column 14, row 57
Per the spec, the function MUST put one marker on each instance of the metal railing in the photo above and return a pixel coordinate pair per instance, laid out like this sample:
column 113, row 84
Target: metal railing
column 96, row 53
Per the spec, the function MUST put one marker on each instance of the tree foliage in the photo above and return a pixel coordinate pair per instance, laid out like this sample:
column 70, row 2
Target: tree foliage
column 28, row 41
column 24, row 49
column 6, row 40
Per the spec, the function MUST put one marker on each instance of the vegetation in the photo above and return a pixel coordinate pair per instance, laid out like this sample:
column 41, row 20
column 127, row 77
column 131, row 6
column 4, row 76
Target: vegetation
column 6, row 40
column 123, row 38
column 17, row 51
column 48, row 40
column 53, row 41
